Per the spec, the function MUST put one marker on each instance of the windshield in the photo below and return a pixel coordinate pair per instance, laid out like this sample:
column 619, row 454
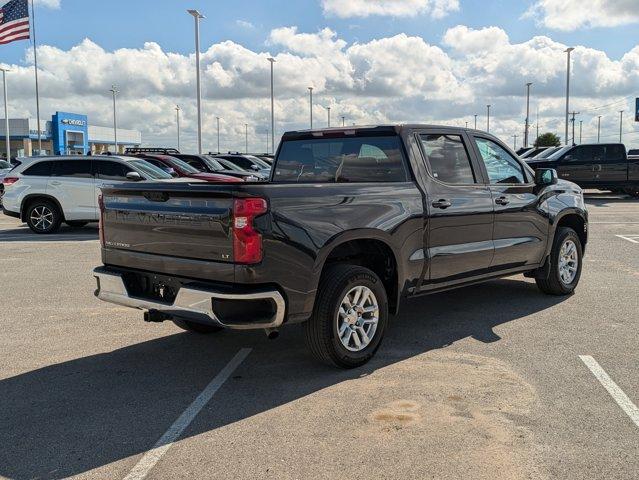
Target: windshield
column 260, row 163
column 546, row 153
column 183, row 166
column 230, row 165
column 4, row 164
column 149, row 171
column 559, row 153
column 213, row 163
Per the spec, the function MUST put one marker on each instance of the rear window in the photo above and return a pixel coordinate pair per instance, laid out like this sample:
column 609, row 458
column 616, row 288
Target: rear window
column 341, row 160
column 111, row 170
column 72, row 169
column 40, row 169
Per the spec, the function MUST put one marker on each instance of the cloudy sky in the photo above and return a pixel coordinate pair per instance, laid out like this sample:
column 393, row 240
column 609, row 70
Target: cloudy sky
column 371, row 61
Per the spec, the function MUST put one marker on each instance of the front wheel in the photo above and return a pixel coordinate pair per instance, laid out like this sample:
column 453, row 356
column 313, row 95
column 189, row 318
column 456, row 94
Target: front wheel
column 565, row 264
column 349, row 318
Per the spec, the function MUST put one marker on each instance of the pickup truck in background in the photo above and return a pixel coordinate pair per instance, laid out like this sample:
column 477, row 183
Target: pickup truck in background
column 352, row 221
column 604, row 166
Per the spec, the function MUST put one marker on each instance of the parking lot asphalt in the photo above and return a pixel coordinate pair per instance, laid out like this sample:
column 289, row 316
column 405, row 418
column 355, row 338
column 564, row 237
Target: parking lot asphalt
column 483, row 382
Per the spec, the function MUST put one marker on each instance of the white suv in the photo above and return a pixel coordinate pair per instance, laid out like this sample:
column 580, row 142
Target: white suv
column 46, row 191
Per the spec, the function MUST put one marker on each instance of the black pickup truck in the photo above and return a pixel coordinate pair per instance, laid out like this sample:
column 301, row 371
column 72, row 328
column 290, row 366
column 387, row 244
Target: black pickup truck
column 352, row 221
column 598, row 165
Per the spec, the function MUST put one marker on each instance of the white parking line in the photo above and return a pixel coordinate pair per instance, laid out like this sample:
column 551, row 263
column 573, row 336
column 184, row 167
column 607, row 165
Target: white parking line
column 630, row 238
column 153, row 456
column 613, row 389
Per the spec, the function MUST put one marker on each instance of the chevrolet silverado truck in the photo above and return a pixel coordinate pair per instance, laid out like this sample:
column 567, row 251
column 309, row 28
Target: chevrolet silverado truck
column 351, row 222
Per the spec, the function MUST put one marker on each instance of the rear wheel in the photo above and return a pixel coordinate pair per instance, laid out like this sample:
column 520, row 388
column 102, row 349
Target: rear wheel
column 350, row 317
column 76, row 224
column 196, row 327
column 43, row 216
column 565, row 264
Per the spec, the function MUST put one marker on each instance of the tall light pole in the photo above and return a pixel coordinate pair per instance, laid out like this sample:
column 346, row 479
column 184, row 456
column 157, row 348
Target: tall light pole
column 581, row 124
column 6, row 114
column 217, row 119
column 466, row 124
column 115, row 91
column 343, row 120
column 246, row 137
column 272, row 60
column 197, row 16
column 475, row 122
column 177, row 119
column 620, row 126
column 488, row 119
column 527, row 113
column 598, row 128
column 310, row 92
column 328, row 109
column 568, row 50
column 515, row 142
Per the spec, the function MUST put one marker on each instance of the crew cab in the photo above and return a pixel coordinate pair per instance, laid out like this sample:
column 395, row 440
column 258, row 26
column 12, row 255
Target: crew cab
column 599, row 165
column 352, row 221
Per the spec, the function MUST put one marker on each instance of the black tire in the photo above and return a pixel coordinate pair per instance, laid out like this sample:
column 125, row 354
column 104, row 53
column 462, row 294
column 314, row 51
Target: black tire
column 200, row 328
column 76, row 223
column 554, row 285
column 321, row 330
column 43, row 216
column 633, row 191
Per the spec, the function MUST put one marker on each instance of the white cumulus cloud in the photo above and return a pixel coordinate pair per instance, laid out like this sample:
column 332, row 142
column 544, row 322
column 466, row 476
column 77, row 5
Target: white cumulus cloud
column 569, row 15
column 55, row 4
column 394, row 8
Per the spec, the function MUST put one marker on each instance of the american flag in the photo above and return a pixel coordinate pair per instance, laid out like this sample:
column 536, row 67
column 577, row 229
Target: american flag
column 14, row 21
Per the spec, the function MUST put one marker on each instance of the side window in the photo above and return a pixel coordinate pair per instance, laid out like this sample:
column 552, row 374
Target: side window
column 448, row 158
column 501, row 166
column 72, row 169
column 111, row 170
column 242, row 162
column 158, row 164
column 40, row 169
column 195, row 162
column 615, row 154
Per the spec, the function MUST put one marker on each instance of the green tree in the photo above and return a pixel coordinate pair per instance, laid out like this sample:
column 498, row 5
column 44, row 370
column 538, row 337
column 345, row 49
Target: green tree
column 548, row 139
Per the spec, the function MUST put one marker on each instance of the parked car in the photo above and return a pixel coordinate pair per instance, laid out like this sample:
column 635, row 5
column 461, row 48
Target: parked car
column 522, row 150
column 5, row 167
column 180, row 168
column 352, row 222
column 599, row 165
column 544, row 154
column 634, row 152
column 533, row 152
column 246, row 162
column 46, row 191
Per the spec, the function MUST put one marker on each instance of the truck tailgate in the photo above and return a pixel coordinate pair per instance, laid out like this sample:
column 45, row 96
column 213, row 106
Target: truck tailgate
column 175, row 222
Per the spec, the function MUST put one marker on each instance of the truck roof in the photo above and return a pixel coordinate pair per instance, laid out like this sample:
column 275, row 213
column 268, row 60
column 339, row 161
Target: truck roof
column 366, row 129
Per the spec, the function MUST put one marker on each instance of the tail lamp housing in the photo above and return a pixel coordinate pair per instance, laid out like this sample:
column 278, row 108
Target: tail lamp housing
column 9, row 180
column 247, row 242
column 101, row 221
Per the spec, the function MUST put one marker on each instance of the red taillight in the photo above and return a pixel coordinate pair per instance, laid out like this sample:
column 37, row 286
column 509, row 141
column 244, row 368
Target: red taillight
column 247, row 243
column 101, row 221
column 9, row 180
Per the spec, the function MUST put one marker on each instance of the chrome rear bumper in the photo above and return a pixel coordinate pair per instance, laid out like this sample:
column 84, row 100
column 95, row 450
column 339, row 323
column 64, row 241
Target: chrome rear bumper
column 190, row 303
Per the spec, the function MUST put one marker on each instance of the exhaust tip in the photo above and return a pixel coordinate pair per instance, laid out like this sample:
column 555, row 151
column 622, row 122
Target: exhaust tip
column 272, row 333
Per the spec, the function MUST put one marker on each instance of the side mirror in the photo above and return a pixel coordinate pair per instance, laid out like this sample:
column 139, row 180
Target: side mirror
column 545, row 177
column 134, row 176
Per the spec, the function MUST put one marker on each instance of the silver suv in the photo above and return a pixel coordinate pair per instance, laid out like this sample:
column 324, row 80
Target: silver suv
column 46, row 191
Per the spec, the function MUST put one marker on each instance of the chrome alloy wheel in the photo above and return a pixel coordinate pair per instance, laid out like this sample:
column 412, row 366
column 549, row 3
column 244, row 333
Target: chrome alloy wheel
column 41, row 218
column 357, row 318
column 568, row 262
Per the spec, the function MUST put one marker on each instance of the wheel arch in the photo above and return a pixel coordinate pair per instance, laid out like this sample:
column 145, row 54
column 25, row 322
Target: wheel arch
column 368, row 248
column 27, row 200
column 575, row 219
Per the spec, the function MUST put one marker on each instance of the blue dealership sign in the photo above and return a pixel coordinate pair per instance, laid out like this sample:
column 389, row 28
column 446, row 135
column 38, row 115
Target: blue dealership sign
column 70, row 133
column 636, row 109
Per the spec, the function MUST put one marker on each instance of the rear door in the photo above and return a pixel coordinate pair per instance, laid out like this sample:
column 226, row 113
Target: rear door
column 73, row 185
column 460, row 209
column 614, row 166
column 521, row 227
column 580, row 163
column 109, row 172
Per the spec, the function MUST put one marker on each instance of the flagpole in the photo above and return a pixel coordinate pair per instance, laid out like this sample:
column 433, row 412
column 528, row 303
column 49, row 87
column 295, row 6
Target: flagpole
column 35, row 60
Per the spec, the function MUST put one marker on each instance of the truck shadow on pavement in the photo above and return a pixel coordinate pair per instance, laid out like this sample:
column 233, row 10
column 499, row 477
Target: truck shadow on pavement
column 65, row 234
column 69, row 418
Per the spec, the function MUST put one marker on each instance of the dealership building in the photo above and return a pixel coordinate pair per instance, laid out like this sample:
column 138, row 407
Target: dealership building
column 64, row 134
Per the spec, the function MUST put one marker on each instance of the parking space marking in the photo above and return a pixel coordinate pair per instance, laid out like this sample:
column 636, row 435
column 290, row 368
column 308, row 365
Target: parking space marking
column 613, row 389
column 153, row 456
column 630, row 238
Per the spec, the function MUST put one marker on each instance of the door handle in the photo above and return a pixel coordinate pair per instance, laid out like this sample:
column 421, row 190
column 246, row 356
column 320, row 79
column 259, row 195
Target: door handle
column 441, row 203
column 502, row 201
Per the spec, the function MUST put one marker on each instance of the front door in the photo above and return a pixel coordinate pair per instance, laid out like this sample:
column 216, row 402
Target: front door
column 521, row 227
column 580, row 164
column 460, row 210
